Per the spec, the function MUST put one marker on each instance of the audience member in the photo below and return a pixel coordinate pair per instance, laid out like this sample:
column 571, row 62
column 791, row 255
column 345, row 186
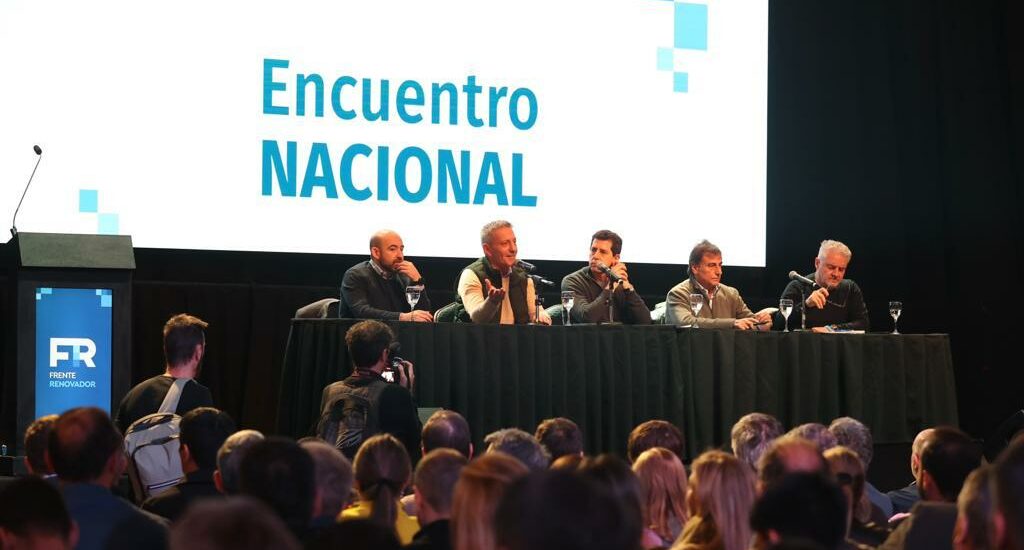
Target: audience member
column 655, row 433
column 555, row 510
column 446, row 429
column 719, row 500
column 974, row 506
column 947, row 457
column 37, row 435
column 560, row 436
column 904, row 499
column 383, row 469
column 33, row 515
column 477, row 493
column 434, row 487
column 663, row 484
column 751, row 436
column 852, row 433
column 333, row 477
column 617, row 476
column 800, row 505
column 279, row 473
column 788, row 455
column 355, row 534
column 229, row 458
column 203, row 431
column 184, row 348
column 232, row 523
column 1008, row 486
column 569, row 463
column 87, row 453
column 848, row 471
column 815, row 433
column 519, row 445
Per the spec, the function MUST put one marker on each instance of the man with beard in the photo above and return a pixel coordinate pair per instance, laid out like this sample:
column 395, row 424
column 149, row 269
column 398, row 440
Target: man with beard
column 375, row 289
column 184, row 346
column 833, row 302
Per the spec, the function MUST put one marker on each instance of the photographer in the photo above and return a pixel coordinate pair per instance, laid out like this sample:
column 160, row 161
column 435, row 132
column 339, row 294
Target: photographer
column 366, row 403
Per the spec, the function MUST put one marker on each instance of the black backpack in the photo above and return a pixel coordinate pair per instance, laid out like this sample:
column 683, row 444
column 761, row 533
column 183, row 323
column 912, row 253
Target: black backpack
column 353, row 417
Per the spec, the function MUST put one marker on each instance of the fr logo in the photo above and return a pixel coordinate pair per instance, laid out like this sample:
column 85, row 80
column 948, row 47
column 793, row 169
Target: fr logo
column 82, row 349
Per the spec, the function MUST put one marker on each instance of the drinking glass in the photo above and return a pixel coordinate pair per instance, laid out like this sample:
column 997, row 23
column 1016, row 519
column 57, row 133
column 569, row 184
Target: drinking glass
column 786, row 307
column 696, row 303
column 895, row 308
column 412, row 295
column 568, row 298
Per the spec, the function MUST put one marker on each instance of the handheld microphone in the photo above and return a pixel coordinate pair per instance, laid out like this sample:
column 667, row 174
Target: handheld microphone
column 798, row 277
column 39, row 153
column 608, row 272
column 526, row 266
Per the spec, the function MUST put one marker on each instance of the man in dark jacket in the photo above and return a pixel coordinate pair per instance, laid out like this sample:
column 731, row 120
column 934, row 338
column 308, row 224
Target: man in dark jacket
column 376, row 288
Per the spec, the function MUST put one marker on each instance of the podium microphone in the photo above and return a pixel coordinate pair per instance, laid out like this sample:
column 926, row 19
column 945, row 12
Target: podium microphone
column 798, row 277
column 608, row 272
column 39, row 153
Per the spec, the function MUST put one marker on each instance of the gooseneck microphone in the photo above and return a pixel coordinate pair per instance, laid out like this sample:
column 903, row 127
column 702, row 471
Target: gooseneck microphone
column 608, row 272
column 39, row 153
column 798, row 277
column 526, row 266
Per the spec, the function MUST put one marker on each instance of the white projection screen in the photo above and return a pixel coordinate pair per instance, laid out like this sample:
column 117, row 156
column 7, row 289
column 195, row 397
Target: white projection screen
column 304, row 126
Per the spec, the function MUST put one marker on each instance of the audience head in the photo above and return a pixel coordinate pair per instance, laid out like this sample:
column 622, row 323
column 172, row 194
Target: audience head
column 560, row 436
column 655, row 433
column 563, row 511
column 520, row 445
column 853, row 434
column 974, row 512
column 229, row 459
column 815, row 433
column 184, row 341
column 719, row 500
column 382, row 470
column 801, row 505
column 663, row 484
column 946, row 458
column 447, row 429
column 915, row 449
column 333, row 477
column 787, row 455
column 37, row 436
column 203, row 431
column 477, row 493
column 848, row 471
column 85, row 447
column 355, row 534
column 367, row 343
column 234, row 523
column 33, row 515
column 569, row 463
column 434, row 483
column 616, row 475
column 279, row 472
column 752, row 434
column 1008, row 486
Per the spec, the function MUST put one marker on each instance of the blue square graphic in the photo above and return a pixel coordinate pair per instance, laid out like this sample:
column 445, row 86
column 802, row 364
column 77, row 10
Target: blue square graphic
column 108, row 224
column 681, row 82
column 665, row 59
column 88, row 200
column 691, row 26
column 106, row 300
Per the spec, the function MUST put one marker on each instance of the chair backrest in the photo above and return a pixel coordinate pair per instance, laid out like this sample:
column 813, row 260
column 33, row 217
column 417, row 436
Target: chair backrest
column 658, row 314
column 452, row 313
column 320, row 309
column 556, row 312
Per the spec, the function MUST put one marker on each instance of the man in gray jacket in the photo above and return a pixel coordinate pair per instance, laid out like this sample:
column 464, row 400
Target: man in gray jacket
column 722, row 305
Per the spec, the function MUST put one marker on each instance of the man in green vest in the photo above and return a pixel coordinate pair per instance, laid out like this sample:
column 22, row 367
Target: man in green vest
column 494, row 289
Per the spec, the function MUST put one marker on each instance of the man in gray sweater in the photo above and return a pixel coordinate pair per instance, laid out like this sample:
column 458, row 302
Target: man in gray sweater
column 594, row 293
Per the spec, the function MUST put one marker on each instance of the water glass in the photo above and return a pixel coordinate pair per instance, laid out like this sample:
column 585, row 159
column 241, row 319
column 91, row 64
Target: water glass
column 786, row 307
column 895, row 308
column 696, row 303
column 568, row 298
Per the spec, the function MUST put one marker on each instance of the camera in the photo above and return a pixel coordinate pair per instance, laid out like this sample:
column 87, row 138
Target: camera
column 394, row 363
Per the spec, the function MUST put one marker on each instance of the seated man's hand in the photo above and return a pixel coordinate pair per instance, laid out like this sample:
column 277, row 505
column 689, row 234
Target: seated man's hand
column 764, row 316
column 544, row 318
column 817, row 298
column 409, row 270
column 494, row 295
column 821, row 329
column 744, row 324
column 417, row 315
column 620, row 270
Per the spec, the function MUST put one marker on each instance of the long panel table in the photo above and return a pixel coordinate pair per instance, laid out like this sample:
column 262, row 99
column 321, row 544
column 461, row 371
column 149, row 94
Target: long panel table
column 610, row 378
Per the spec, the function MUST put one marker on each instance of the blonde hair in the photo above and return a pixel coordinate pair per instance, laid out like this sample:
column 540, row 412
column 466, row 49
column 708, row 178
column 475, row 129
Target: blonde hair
column 719, row 501
column 477, row 494
column 663, row 484
column 844, row 460
column 382, row 470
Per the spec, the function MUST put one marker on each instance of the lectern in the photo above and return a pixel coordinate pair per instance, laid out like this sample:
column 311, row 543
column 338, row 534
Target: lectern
column 67, row 326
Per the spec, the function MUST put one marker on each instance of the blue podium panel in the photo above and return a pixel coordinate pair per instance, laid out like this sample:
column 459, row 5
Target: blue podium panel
column 73, row 349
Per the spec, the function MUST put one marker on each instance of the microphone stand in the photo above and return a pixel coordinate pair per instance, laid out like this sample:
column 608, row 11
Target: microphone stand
column 538, row 301
column 803, row 309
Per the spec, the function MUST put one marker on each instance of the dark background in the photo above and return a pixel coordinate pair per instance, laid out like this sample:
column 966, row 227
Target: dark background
column 896, row 126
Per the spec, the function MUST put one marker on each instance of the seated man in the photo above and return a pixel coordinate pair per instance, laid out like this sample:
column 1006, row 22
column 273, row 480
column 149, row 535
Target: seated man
column 494, row 289
column 833, row 303
column 593, row 289
column 722, row 305
column 375, row 289
column 37, row 435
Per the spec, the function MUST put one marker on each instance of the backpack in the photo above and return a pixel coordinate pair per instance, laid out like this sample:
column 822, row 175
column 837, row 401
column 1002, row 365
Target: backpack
column 353, row 417
column 151, row 443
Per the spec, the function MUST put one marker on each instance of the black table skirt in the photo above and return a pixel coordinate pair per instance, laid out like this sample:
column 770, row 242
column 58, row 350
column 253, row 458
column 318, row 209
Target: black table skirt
column 611, row 378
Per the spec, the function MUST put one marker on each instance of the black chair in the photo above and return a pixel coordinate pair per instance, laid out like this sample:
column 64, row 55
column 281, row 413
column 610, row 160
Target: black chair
column 320, row 309
column 452, row 313
column 556, row 312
